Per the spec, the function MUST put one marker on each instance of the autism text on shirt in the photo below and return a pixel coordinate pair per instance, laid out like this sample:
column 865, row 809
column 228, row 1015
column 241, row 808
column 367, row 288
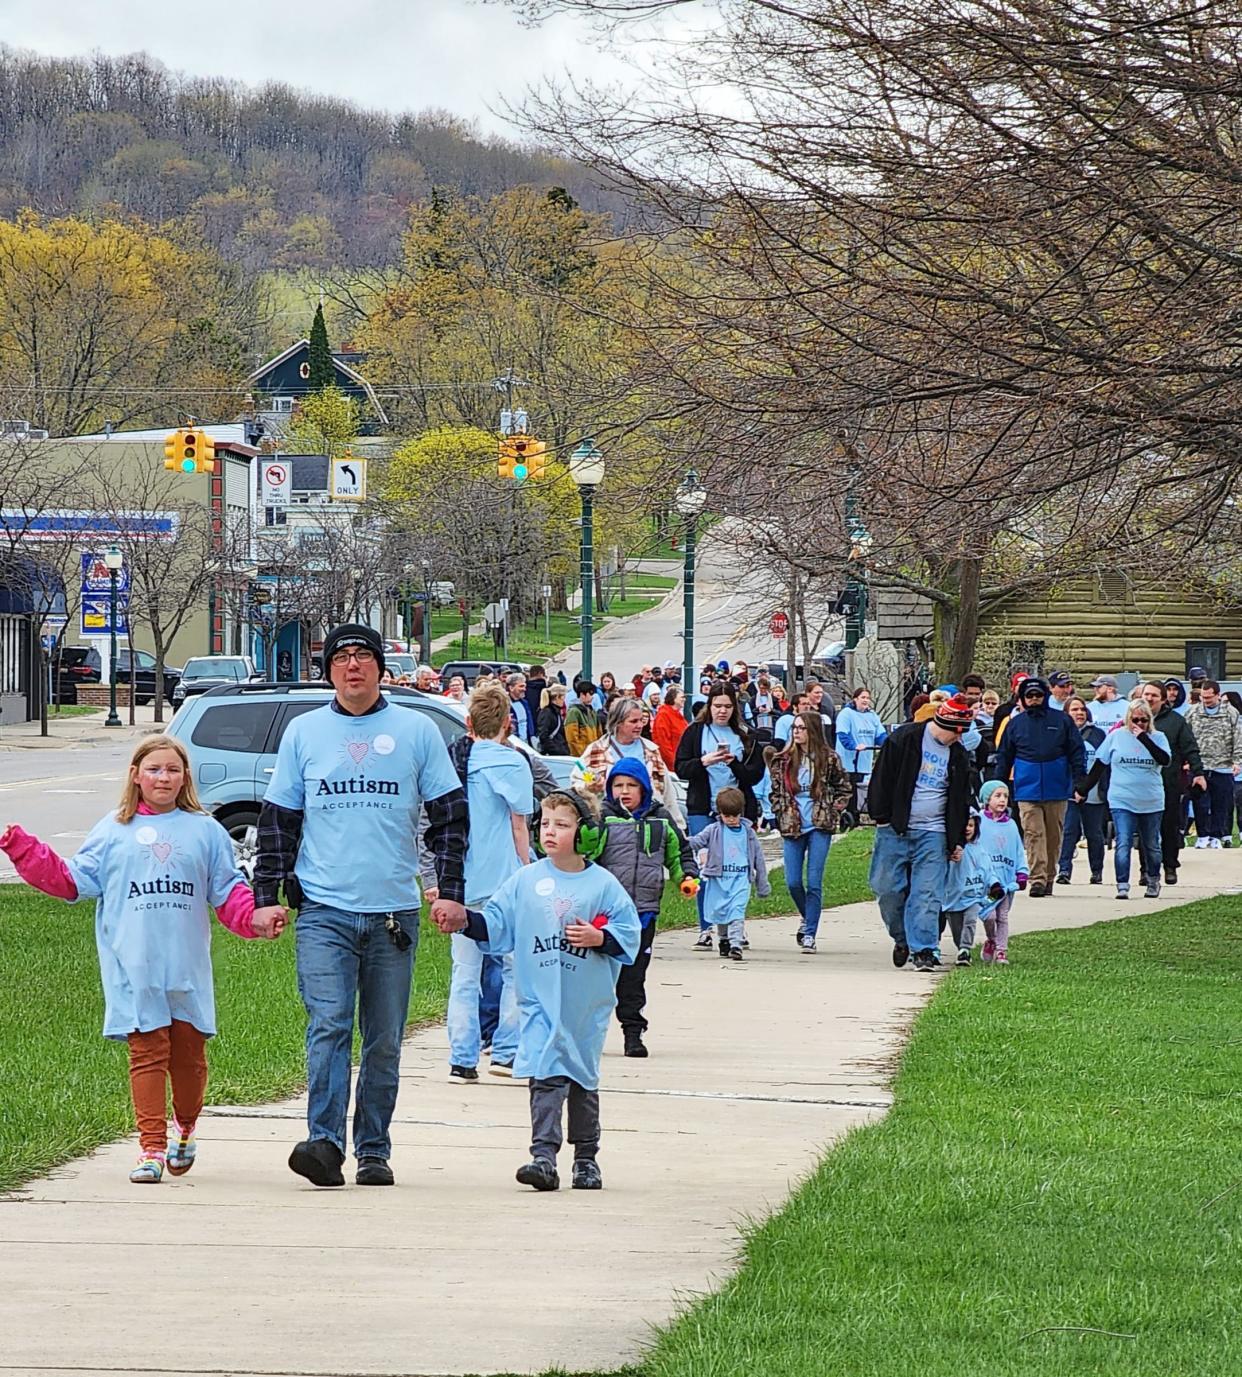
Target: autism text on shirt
column 358, row 785
column 137, row 890
column 557, row 942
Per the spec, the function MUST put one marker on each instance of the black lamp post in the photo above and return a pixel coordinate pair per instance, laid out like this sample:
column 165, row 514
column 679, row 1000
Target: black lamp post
column 690, row 500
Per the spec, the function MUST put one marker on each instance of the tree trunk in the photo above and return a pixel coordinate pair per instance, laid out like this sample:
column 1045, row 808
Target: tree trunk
column 956, row 625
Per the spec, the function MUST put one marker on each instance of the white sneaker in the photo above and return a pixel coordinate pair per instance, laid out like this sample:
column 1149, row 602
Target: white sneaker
column 1214, row 843
column 1202, row 843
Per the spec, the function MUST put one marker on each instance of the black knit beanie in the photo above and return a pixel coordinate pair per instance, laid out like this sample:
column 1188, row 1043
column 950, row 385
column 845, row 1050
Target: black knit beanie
column 351, row 634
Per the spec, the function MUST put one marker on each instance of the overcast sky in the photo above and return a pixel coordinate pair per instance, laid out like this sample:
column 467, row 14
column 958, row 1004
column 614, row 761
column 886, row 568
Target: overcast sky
column 395, row 55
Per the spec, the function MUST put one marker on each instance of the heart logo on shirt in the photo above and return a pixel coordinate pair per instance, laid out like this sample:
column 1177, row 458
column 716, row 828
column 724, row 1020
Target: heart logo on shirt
column 561, row 907
column 358, row 751
column 161, row 851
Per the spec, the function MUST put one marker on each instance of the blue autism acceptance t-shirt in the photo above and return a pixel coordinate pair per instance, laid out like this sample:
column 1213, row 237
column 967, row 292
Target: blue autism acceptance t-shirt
column 1135, row 783
column 154, row 878
column 720, row 776
column 726, row 895
column 498, row 784
column 360, row 783
column 565, row 994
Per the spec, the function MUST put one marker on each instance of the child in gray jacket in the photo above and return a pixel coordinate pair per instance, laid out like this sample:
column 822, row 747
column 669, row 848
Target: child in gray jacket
column 731, row 864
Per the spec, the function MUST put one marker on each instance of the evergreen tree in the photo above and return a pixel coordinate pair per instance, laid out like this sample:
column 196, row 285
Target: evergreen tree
column 322, row 372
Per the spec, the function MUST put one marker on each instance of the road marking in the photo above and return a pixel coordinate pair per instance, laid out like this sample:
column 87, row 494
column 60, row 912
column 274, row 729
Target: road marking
column 55, row 779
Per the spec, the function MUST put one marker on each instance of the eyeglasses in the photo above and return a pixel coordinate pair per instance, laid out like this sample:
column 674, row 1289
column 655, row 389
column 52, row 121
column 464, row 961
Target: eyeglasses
column 361, row 654
column 1141, row 721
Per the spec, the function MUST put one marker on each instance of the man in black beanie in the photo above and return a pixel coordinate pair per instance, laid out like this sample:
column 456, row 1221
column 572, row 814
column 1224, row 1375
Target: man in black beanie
column 339, row 830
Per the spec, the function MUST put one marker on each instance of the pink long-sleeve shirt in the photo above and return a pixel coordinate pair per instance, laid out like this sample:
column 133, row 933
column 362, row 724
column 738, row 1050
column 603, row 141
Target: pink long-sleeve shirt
column 41, row 868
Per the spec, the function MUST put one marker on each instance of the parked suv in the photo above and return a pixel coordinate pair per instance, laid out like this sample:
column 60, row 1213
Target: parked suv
column 81, row 664
column 232, row 733
column 210, row 671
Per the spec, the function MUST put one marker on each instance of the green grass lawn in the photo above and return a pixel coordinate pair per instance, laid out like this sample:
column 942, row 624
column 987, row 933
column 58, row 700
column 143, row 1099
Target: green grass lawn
column 64, row 1090
column 72, row 710
column 1062, row 1158
column 530, row 644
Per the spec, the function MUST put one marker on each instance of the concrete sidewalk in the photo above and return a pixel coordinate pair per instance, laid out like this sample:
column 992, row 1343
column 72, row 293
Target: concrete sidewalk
column 239, row 1267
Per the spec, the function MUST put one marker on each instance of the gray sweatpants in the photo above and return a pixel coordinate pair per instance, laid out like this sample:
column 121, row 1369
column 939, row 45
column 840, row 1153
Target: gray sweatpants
column 962, row 922
column 547, row 1098
column 733, row 931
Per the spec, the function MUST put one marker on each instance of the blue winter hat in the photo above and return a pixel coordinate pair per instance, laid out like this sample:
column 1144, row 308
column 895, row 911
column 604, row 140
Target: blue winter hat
column 988, row 789
column 629, row 768
column 950, row 689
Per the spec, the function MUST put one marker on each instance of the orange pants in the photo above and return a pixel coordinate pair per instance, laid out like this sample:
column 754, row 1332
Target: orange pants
column 177, row 1054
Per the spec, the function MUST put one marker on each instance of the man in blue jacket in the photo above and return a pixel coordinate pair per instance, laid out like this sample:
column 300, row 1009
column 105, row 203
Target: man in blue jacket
column 1045, row 754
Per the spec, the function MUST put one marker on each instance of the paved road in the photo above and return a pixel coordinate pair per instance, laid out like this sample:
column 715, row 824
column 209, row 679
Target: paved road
column 732, row 609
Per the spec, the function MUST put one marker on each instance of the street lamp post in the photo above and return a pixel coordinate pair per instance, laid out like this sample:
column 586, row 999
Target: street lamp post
column 113, row 563
column 425, row 649
column 690, row 499
column 586, row 468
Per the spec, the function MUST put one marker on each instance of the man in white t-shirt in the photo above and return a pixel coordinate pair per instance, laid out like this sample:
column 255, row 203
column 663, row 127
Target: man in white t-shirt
column 1106, row 708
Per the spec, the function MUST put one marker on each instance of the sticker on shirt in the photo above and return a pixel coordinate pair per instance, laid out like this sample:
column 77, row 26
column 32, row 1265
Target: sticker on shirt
column 384, row 744
column 545, row 887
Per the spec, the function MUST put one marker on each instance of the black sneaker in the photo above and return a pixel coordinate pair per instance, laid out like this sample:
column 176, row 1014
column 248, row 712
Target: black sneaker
column 704, row 942
column 1170, row 877
column 735, row 953
column 1063, row 878
column 373, row 1171
column 634, row 1045
column 319, row 1161
column 539, row 1173
column 1153, row 890
column 586, row 1176
column 463, row 1073
column 963, row 958
column 1038, row 892
column 1097, row 879
column 924, row 961
column 901, row 954
column 725, row 948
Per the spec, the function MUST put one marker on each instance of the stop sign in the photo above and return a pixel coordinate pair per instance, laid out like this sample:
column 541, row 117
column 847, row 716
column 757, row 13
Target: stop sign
column 779, row 625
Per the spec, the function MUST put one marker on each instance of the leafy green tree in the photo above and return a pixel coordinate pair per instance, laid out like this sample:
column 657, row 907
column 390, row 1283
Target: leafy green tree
column 327, row 422
column 322, row 372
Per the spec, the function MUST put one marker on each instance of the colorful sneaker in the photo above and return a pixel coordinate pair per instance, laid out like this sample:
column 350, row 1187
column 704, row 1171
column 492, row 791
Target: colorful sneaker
column 1002, row 956
column 989, row 952
column 149, row 1171
column 181, row 1151
column 705, row 940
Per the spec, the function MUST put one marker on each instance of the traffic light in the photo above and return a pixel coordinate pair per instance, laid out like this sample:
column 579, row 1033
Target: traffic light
column 521, row 457
column 536, row 459
column 508, row 459
column 189, row 450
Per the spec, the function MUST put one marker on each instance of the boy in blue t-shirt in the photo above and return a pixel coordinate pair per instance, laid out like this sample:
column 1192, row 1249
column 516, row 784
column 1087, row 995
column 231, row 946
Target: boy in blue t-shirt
column 730, row 864
column 571, row 927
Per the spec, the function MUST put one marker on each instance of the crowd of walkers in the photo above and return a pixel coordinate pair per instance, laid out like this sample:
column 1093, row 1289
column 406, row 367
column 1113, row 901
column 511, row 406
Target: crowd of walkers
column 551, row 894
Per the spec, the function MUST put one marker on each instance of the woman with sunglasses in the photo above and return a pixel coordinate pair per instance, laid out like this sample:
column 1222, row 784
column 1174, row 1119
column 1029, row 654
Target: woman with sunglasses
column 1135, row 755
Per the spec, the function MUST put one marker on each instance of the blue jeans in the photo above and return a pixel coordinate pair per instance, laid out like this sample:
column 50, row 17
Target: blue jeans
column 908, row 876
column 810, row 852
column 1082, row 819
column 696, row 822
column 343, row 959
column 1128, row 826
column 490, row 988
column 1220, row 803
column 464, row 1033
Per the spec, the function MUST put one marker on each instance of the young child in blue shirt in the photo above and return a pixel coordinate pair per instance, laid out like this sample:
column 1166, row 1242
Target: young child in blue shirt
column 730, row 864
column 972, row 882
column 155, row 867
column 571, row 927
column 999, row 834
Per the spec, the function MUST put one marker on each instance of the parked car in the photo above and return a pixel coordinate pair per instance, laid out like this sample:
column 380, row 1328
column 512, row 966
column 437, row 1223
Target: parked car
column 233, row 732
column 206, row 672
column 81, row 664
column 469, row 669
column 400, row 662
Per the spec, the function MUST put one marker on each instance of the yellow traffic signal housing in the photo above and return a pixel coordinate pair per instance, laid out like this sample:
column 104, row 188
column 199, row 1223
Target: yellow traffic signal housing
column 536, row 459
column 172, row 451
column 508, row 459
column 207, row 453
column 521, row 451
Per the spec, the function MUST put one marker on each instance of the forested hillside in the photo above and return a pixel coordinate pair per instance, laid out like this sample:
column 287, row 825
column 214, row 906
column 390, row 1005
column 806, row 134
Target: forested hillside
column 270, row 177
